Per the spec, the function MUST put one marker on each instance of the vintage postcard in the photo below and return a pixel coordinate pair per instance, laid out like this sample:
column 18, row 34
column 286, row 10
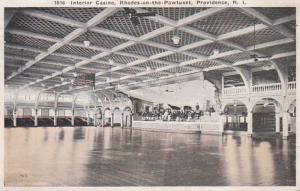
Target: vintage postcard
column 149, row 94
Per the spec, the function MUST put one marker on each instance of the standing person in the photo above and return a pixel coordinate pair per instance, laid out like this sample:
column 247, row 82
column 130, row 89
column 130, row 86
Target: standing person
column 197, row 107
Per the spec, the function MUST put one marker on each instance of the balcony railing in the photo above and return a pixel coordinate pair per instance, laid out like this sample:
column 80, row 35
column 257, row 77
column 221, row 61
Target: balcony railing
column 235, row 90
column 259, row 89
column 291, row 85
column 266, row 88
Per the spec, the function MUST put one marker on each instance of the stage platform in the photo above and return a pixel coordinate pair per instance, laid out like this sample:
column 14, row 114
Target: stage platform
column 178, row 126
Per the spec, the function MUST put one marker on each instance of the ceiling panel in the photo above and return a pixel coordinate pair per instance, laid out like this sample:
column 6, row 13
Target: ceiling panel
column 224, row 22
column 120, row 22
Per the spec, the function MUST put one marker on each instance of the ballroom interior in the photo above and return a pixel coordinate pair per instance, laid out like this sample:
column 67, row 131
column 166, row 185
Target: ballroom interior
column 174, row 71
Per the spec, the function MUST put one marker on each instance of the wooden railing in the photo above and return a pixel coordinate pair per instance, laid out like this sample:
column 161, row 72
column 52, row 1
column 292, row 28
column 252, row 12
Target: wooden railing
column 235, row 90
column 291, row 85
column 259, row 89
column 266, row 88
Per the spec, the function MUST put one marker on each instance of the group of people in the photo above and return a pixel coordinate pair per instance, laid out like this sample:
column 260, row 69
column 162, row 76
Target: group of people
column 159, row 113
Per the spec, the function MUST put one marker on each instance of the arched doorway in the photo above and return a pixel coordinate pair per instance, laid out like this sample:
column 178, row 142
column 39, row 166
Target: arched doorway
column 236, row 116
column 292, row 116
column 127, row 113
column 116, row 117
column 265, row 113
column 106, row 116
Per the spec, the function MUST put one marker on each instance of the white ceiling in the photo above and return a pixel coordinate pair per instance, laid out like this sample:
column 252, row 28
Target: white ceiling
column 40, row 43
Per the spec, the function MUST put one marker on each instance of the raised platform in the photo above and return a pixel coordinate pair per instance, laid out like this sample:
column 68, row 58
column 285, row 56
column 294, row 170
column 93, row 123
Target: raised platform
column 178, row 127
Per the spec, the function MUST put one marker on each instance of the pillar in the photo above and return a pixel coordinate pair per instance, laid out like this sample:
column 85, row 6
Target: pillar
column 277, row 122
column 55, row 117
column 103, row 116
column 36, row 117
column 15, row 117
column 131, row 120
column 221, row 124
column 112, row 120
column 73, row 118
column 122, row 118
column 126, row 120
column 94, row 118
column 285, row 125
column 250, row 124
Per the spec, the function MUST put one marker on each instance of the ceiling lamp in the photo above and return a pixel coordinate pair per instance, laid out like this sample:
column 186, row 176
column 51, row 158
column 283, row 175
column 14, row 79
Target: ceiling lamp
column 216, row 51
column 176, row 40
column 43, row 85
column 235, row 103
column 111, row 62
column 75, row 74
column 268, row 67
column 86, row 43
column 62, row 79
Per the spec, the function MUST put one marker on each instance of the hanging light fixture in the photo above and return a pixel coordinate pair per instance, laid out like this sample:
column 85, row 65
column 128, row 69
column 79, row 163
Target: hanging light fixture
column 216, row 51
column 176, row 38
column 111, row 62
column 268, row 67
column 87, row 43
column 42, row 84
column 235, row 103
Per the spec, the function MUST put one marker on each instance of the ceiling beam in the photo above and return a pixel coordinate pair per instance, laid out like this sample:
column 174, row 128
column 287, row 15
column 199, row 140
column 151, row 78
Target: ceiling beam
column 8, row 15
column 256, row 14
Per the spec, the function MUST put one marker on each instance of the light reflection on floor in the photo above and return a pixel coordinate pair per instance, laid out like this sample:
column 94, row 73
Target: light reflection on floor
column 92, row 156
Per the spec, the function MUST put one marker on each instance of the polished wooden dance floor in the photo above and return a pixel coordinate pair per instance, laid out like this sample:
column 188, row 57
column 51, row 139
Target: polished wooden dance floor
column 92, row 156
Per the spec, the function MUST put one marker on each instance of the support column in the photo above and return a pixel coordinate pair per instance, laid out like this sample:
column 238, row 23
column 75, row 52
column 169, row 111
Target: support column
column 285, row 125
column 250, row 124
column 15, row 117
column 112, row 120
column 131, row 120
column 94, row 119
column 73, row 118
column 122, row 118
column 35, row 117
column 277, row 122
column 221, row 124
column 55, row 117
column 103, row 117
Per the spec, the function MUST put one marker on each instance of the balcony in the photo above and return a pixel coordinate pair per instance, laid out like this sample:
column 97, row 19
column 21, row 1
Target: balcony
column 260, row 90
